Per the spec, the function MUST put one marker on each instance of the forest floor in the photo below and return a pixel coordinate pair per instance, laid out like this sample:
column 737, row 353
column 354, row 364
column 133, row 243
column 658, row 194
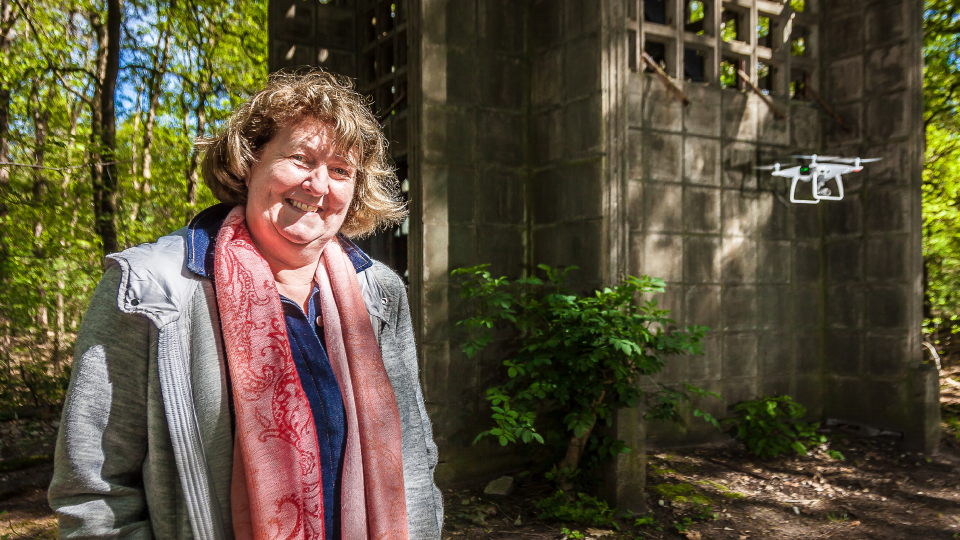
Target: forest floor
column 879, row 491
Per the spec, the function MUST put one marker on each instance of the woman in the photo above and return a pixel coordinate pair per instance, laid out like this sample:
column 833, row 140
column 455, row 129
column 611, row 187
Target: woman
column 306, row 419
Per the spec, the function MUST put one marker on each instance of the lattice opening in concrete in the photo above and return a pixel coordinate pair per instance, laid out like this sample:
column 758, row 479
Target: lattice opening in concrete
column 774, row 44
column 695, row 17
column 656, row 11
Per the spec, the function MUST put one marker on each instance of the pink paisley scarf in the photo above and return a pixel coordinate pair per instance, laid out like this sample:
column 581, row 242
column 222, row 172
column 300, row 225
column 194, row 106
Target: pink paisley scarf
column 276, row 489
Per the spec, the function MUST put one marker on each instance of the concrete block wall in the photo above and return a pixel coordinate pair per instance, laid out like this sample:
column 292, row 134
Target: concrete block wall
column 531, row 142
column 508, row 168
column 736, row 255
column 819, row 302
column 873, row 260
column 568, row 165
column 469, row 92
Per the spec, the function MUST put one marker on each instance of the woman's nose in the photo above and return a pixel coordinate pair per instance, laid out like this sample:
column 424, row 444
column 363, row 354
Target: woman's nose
column 318, row 182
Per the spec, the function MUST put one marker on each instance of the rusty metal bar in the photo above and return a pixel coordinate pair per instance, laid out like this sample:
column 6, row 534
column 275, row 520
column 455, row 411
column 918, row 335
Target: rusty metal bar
column 766, row 99
column 649, row 61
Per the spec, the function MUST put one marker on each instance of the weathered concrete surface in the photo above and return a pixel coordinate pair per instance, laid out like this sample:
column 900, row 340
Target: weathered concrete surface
column 510, row 168
column 819, row 302
column 534, row 143
column 470, row 80
column 736, row 258
column 872, row 239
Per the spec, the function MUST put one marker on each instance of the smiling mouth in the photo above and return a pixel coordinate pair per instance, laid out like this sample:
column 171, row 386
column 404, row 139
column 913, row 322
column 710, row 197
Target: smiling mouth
column 303, row 207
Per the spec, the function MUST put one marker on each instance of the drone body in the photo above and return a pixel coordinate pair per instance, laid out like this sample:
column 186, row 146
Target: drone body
column 819, row 172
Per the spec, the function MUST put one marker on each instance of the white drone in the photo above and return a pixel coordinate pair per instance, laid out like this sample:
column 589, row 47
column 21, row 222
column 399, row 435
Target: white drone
column 821, row 170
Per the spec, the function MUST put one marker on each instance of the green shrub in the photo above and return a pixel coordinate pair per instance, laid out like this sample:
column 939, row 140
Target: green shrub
column 771, row 426
column 578, row 359
column 581, row 509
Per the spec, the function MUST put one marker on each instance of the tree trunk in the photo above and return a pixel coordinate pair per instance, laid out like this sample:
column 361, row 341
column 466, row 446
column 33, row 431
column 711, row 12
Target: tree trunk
column 4, row 143
column 193, row 176
column 6, row 25
column 134, row 162
column 155, row 89
column 59, row 329
column 96, row 120
column 106, row 183
column 4, row 173
column 203, row 90
column 7, row 18
column 41, row 120
column 578, row 444
column 59, row 319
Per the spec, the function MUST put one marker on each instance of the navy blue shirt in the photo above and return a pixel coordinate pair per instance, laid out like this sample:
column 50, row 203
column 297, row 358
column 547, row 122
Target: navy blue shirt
column 309, row 355
column 320, row 385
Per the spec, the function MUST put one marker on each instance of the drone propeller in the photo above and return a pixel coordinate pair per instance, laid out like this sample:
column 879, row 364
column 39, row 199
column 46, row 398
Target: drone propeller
column 818, row 157
column 769, row 167
column 848, row 160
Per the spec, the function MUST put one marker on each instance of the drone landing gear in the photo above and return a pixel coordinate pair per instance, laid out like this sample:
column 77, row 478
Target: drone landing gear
column 819, row 189
column 793, row 192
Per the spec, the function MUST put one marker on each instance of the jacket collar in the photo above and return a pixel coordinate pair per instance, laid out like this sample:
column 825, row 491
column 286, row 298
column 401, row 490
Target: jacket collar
column 202, row 238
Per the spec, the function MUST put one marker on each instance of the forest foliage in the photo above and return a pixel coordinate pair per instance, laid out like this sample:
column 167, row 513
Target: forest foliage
column 941, row 173
column 100, row 102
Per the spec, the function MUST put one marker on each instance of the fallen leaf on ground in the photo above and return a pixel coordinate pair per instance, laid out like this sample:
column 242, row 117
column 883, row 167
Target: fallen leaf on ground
column 693, row 535
column 599, row 532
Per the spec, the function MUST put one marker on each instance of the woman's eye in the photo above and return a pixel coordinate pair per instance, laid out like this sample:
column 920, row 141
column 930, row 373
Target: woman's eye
column 298, row 157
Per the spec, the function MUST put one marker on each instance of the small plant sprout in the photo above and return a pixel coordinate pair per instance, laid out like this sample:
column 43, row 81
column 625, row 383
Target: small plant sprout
column 644, row 521
column 837, row 517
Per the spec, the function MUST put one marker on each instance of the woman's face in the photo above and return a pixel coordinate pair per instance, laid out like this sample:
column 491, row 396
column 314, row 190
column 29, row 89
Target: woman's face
column 299, row 191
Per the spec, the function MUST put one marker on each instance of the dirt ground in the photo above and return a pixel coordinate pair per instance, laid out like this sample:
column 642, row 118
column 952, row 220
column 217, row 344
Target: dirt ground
column 26, row 454
column 879, row 491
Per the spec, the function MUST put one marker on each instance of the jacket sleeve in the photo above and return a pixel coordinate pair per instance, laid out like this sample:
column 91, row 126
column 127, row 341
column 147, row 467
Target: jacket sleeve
column 97, row 489
column 405, row 336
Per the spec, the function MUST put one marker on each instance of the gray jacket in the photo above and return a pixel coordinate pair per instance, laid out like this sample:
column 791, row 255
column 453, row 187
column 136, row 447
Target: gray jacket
column 145, row 447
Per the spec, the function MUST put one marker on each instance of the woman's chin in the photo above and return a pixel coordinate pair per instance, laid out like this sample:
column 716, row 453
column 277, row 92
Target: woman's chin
column 307, row 237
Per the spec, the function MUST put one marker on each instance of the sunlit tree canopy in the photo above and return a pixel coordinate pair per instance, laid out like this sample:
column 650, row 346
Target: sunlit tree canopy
column 82, row 173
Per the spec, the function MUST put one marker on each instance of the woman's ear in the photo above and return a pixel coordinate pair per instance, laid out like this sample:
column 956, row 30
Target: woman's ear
column 249, row 174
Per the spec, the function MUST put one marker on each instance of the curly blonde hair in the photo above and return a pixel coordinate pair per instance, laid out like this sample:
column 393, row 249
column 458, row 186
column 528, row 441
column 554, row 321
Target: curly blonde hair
column 230, row 155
